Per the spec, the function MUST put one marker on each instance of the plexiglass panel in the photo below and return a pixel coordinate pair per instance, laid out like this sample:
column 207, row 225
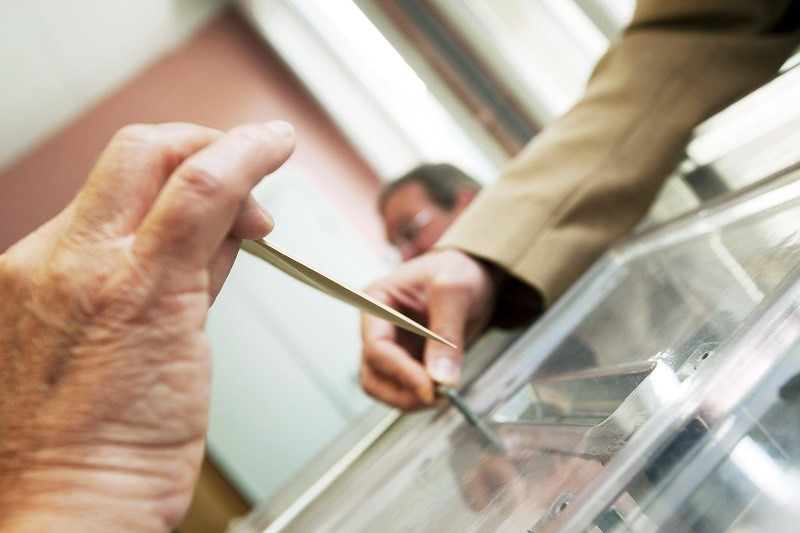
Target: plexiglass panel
column 740, row 474
column 640, row 337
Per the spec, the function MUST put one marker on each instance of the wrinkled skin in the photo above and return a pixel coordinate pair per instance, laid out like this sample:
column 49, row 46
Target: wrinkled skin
column 104, row 364
column 450, row 292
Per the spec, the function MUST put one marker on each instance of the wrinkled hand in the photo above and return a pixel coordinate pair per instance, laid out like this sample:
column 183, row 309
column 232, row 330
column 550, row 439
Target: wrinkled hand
column 104, row 365
column 447, row 290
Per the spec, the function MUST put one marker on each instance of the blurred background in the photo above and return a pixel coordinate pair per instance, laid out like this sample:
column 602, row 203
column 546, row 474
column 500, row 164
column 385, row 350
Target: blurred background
column 373, row 87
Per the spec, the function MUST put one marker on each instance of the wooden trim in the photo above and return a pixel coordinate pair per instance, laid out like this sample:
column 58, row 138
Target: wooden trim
column 485, row 112
column 215, row 503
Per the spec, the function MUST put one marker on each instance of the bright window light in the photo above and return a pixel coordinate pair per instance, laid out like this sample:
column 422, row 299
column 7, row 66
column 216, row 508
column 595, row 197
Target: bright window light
column 778, row 484
column 382, row 59
column 367, row 87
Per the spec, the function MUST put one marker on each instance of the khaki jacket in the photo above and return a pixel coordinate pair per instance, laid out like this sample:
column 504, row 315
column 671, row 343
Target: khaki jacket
column 589, row 177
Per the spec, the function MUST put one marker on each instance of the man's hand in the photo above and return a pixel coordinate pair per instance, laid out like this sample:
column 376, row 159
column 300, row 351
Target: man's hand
column 104, row 364
column 447, row 290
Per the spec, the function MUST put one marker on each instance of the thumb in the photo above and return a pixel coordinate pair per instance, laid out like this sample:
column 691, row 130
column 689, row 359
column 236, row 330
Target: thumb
column 449, row 304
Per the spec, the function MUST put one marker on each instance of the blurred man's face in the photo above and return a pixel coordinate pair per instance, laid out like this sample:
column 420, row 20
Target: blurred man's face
column 413, row 222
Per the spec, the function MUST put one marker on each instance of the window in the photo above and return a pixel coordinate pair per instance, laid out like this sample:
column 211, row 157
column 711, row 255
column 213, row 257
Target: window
column 382, row 105
column 462, row 81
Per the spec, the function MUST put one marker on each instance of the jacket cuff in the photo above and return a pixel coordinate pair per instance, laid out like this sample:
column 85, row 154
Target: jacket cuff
column 517, row 303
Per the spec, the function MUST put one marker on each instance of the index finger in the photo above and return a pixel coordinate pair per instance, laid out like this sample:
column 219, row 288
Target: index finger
column 391, row 363
column 131, row 171
column 200, row 202
column 374, row 329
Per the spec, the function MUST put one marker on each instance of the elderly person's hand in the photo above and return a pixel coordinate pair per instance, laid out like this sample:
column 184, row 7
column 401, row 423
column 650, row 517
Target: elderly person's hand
column 104, row 365
column 450, row 291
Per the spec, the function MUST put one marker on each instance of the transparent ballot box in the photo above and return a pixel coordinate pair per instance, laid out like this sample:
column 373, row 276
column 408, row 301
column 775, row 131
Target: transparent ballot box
column 661, row 392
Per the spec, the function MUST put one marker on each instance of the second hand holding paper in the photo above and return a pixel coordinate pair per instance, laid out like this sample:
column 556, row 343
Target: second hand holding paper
column 284, row 262
column 310, row 276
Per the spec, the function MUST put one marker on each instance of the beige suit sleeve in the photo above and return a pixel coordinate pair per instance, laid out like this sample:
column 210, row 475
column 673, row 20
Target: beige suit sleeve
column 589, row 177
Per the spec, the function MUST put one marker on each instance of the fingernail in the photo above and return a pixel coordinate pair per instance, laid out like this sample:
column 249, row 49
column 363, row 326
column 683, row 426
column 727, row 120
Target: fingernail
column 444, row 370
column 281, row 128
column 268, row 216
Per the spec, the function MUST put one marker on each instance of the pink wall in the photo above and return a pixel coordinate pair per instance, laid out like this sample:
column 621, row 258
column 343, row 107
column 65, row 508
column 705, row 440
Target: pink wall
column 224, row 76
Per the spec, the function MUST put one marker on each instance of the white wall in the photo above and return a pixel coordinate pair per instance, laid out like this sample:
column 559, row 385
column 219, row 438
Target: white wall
column 57, row 58
column 286, row 356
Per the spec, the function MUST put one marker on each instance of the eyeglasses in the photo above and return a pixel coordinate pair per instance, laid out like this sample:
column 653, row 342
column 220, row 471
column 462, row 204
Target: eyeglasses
column 410, row 231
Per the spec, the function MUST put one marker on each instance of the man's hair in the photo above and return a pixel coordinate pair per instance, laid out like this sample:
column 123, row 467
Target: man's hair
column 441, row 182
